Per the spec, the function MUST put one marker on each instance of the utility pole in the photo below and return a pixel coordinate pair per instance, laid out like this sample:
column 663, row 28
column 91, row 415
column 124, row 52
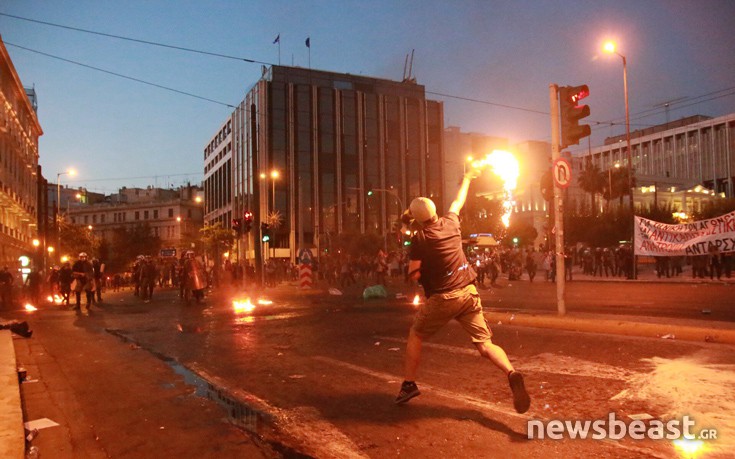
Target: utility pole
column 558, row 205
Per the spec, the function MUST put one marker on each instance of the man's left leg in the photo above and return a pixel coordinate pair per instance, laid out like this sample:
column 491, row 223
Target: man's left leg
column 409, row 389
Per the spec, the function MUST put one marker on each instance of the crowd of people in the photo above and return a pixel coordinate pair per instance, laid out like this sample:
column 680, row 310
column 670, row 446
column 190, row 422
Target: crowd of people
column 86, row 279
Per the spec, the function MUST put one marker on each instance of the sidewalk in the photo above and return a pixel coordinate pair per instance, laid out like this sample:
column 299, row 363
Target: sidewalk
column 109, row 398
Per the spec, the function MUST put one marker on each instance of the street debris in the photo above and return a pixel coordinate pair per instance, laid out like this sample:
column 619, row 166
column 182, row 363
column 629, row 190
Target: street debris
column 394, row 349
column 134, row 346
column 400, row 296
column 710, row 339
column 706, row 311
column 297, row 376
column 374, row 291
column 668, row 336
column 640, row 416
column 512, row 316
column 334, row 291
column 377, row 343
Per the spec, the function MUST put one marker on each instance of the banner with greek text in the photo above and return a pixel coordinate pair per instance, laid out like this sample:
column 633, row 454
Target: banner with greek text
column 661, row 239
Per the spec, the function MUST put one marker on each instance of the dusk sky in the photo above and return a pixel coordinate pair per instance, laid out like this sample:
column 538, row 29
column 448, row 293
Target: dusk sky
column 119, row 132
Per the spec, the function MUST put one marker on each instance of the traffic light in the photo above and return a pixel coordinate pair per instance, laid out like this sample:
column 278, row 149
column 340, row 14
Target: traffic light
column 370, row 192
column 237, row 226
column 571, row 112
column 264, row 232
column 247, row 221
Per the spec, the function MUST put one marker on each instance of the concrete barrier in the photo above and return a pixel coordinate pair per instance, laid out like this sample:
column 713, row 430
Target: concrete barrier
column 12, row 433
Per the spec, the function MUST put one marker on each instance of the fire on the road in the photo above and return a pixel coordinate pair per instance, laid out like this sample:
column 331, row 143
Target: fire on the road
column 243, row 306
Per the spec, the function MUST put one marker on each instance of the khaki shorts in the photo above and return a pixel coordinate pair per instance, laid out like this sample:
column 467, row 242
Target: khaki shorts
column 462, row 304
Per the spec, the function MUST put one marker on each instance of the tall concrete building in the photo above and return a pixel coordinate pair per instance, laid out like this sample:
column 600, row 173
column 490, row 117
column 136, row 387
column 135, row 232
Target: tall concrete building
column 310, row 145
column 682, row 154
column 21, row 185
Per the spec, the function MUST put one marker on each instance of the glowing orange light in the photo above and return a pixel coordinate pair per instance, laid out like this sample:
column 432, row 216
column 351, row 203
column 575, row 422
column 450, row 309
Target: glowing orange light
column 30, row 307
column 242, row 306
column 416, row 300
column 505, row 165
column 264, row 302
column 689, row 448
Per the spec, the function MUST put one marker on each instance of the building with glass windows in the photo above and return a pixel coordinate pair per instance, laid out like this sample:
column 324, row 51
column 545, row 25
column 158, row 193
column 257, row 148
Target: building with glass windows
column 678, row 156
column 304, row 150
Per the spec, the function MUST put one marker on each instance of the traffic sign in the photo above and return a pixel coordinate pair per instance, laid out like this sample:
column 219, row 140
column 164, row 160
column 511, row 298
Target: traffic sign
column 305, row 256
column 562, row 172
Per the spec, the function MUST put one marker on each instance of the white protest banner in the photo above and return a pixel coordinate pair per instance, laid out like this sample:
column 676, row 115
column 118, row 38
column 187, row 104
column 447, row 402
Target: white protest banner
column 660, row 239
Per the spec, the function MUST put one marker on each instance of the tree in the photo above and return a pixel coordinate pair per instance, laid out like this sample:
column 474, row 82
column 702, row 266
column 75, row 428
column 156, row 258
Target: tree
column 593, row 181
column 77, row 238
column 216, row 240
column 482, row 215
column 129, row 242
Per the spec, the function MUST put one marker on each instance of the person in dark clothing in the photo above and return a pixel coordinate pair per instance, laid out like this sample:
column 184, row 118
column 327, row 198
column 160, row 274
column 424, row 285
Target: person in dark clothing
column 439, row 264
column 66, row 276
column 99, row 273
column 84, row 275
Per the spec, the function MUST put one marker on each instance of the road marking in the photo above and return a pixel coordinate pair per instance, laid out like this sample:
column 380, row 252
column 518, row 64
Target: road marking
column 481, row 404
column 543, row 363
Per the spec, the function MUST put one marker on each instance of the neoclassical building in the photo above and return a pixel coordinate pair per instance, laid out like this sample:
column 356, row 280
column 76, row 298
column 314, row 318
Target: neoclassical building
column 20, row 175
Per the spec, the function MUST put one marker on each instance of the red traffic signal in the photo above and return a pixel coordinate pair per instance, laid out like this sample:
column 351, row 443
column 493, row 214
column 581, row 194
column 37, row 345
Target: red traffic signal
column 237, row 226
column 247, row 220
column 571, row 112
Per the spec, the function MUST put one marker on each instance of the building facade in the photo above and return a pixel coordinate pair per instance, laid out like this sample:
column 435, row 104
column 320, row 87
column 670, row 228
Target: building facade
column 20, row 175
column 693, row 151
column 175, row 216
column 306, row 147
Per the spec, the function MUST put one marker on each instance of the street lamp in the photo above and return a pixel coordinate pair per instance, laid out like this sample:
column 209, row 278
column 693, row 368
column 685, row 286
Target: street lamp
column 58, row 203
column 609, row 181
column 610, row 48
column 274, row 177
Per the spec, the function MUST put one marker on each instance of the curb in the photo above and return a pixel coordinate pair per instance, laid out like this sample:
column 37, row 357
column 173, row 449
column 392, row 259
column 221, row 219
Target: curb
column 12, row 431
column 615, row 327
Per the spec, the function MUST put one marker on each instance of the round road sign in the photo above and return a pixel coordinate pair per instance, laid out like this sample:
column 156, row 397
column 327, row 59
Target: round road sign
column 562, row 172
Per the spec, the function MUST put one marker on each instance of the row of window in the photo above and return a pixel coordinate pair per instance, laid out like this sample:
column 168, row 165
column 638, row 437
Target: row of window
column 219, row 138
column 119, row 217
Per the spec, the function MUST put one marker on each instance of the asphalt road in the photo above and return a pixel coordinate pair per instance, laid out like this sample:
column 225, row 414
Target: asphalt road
column 321, row 373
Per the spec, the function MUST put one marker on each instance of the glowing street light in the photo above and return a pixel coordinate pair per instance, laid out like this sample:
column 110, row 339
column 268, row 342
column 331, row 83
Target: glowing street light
column 610, row 48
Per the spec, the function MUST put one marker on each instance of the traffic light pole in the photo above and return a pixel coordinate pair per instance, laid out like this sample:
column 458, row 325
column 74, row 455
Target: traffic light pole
column 558, row 204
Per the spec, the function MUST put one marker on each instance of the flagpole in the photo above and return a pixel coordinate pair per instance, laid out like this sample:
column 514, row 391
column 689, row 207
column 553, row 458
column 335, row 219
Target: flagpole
column 308, row 45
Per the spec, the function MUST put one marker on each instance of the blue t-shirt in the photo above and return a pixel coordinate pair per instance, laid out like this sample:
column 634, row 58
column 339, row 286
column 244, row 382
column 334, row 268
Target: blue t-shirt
column 444, row 266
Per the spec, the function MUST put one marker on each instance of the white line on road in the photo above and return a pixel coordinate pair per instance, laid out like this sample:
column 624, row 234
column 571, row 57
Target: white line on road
column 543, row 363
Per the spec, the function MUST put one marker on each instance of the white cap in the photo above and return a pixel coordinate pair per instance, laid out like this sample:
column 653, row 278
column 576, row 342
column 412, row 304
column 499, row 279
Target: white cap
column 422, row 209
column 82, row 254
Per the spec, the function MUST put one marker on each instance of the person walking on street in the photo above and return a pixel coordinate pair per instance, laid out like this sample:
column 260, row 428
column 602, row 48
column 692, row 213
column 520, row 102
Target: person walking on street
column 99, row 273
column 84, row 276
column 66, row 276
column 439, row 264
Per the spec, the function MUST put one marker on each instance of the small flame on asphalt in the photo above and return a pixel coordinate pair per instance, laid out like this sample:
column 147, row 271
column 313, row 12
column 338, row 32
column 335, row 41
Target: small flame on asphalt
column 264, row 302
column 689, row 448
column 416, row 300
column 242, row 306
column 30, row 307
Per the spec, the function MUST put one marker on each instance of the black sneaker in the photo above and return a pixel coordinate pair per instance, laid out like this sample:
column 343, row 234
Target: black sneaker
column 521, row 400
column 408, row 391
